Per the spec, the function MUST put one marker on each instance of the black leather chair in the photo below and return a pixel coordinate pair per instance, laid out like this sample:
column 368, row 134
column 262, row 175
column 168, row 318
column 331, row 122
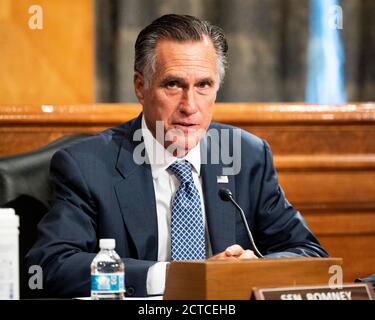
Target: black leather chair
column 24, row 186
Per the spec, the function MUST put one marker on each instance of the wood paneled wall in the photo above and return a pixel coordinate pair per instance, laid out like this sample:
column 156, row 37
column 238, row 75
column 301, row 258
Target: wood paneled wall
column 325, row 156
column 54, row 64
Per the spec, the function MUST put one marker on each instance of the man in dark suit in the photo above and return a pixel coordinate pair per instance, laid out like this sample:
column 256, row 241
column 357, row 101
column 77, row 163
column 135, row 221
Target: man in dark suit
column 152, row 183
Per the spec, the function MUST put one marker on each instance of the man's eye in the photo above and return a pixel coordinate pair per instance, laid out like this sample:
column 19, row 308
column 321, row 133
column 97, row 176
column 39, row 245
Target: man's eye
column 204, row 85
column 171, row 85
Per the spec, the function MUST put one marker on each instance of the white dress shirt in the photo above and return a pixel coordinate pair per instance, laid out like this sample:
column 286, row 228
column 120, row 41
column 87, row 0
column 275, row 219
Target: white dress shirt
column 165, row 187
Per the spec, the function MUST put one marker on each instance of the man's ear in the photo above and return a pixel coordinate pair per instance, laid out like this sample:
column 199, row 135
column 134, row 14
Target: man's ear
column 139, row 86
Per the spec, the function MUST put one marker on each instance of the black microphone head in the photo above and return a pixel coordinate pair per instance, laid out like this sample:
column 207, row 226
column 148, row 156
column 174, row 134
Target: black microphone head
column 225, row 194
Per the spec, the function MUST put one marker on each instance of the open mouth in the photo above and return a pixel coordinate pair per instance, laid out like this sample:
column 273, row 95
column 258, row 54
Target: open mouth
column 185, row 126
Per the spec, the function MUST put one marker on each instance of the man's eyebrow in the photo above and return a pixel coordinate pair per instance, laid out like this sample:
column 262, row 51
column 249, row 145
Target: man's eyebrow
column 182, row 81
column 208, row 79
column 172, row 79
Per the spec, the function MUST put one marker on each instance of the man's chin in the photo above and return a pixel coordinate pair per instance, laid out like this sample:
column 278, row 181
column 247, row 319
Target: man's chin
column 181, row 144
column 180, row 150
column 188, row 138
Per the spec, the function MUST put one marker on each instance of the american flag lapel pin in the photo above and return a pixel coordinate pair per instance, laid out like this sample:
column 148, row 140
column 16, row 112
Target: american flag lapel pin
column 222, row 179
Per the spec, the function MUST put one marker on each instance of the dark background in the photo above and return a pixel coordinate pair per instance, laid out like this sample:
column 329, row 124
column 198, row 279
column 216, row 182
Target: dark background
column 267, row 46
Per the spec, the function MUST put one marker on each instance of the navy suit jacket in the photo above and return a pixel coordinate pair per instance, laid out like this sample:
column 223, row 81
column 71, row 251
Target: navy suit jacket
column 100, row 192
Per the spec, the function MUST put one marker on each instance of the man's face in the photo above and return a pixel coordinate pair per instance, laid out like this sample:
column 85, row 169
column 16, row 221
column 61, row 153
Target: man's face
column 181, row 92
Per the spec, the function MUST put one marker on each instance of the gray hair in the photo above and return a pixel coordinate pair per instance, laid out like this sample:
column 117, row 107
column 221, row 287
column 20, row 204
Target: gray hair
column 179, row 28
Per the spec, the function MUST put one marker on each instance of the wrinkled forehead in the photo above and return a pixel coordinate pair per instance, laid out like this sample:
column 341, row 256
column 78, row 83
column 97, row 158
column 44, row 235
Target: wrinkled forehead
column 185, row 54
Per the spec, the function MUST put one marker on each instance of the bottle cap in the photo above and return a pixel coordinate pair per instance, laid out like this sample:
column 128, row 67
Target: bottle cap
column 8, row 218
column 109, row 244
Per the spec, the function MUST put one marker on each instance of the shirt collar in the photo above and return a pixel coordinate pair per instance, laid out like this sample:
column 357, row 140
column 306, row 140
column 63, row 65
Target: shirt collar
column 160, row 159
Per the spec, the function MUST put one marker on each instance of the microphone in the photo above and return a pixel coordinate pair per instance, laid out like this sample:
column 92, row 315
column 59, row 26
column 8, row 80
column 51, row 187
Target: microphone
column 226, row 195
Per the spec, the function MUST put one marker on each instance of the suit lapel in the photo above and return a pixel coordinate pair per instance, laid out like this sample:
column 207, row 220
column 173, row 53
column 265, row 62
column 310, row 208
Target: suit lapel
column 220, row 215
column 136, row 197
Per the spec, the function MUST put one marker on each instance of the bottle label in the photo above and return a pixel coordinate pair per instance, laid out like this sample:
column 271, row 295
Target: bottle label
column 9, row 280
column 108, row 282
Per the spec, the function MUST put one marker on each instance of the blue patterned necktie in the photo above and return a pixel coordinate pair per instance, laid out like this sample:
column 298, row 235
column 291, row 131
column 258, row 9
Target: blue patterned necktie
column 187, row 229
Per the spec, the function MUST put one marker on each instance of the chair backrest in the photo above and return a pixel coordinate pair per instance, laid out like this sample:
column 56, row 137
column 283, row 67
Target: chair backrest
column 24, row 186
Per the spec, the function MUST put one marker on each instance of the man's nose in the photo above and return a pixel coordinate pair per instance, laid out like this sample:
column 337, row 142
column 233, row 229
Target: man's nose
column 188, row 104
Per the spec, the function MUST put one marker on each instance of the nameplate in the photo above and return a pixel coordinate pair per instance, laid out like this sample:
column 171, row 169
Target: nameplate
column 360, row 291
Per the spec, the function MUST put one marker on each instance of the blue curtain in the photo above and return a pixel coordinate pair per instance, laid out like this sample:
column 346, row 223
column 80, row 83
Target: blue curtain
column 325, row 78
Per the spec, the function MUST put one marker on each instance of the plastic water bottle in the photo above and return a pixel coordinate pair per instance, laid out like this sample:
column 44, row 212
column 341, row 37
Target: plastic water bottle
column 9, row 264
column 107, row 273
